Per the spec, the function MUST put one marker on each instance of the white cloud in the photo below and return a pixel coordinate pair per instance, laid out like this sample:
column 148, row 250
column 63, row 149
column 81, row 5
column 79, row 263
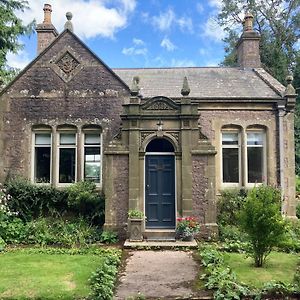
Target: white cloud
column 168, row 19
column 200, row 8
column 18, row 61
column 213, row 30
column 138, row 48
column 216, row 3
column 138, row 42
column 182, row 63
column 165, row 20
column 91, row 18
column 167, row 44
column 185, row 23
column 203, row 51
column 134, row 51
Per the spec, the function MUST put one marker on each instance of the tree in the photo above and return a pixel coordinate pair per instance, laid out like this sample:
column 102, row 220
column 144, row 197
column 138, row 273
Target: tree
column 277, row 21
column 262, row 221
column 11, row 28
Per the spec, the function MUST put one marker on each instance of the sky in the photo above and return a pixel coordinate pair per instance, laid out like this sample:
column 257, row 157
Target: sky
column 135, row 33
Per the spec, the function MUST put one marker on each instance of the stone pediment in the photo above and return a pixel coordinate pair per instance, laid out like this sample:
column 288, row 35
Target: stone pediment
column 160, row 103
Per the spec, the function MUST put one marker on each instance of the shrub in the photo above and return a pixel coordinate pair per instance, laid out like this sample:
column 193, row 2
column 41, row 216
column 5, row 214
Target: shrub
column 86, row 202
column 229, row 205
column 135, row 214
column 12, row 229
column 103, row 279
column 33, row 201
column 262, row 221
column 108, row 237
column 219, row 277
column 61, row 232
column 291, row 241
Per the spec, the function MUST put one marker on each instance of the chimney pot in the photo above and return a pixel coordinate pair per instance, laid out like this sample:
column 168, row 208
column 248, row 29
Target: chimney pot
column 248, row 22
column 47, row 13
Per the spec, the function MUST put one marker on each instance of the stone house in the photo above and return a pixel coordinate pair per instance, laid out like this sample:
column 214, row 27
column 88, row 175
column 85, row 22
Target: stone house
column 162, row 140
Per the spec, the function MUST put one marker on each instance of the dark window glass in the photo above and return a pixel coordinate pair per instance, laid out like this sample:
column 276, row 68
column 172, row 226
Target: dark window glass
column 230, row 165
column 92, row 164
column 160, row 145
column 42, row 164
column 67, row 162
column 255, row 164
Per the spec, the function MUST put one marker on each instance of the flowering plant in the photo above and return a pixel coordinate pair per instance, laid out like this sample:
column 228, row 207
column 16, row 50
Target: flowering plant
column 4, row 198
column 187, row 227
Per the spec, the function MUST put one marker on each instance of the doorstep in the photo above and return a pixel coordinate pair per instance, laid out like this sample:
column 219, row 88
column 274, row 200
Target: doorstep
column 164, row 244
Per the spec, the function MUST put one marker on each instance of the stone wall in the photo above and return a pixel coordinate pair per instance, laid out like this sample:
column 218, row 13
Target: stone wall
column 41, row 95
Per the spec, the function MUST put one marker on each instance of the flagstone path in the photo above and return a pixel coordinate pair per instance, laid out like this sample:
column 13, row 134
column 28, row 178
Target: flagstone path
column 158, row 275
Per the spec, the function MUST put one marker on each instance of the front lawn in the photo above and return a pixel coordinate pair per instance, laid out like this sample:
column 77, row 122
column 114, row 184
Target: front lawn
column 28, row 274
column 279, row 267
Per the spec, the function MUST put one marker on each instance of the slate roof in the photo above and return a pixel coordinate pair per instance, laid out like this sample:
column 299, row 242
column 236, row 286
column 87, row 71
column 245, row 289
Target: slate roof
column 205, row 83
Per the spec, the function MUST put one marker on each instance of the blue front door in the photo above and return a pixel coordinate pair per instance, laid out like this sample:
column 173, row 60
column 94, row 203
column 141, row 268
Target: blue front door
column 160, row 191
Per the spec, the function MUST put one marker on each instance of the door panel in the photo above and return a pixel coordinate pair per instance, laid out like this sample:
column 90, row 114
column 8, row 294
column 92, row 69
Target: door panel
column 160, row 191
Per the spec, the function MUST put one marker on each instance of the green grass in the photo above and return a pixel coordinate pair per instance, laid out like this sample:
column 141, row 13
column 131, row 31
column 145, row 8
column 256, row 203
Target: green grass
column 45, row 276
column 279, row 267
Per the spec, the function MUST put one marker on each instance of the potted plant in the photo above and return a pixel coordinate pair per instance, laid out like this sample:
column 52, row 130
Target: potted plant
column 135, row 223
column 187, row 228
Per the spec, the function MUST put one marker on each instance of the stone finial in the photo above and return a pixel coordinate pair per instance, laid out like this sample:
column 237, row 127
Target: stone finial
column 68, row 24
column 290, row 90
column 185, row 91
column 248, row 22
column 47, row 13
column 134, row 91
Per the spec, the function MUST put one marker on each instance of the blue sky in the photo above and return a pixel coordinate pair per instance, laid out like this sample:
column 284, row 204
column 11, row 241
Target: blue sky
column 136, row 33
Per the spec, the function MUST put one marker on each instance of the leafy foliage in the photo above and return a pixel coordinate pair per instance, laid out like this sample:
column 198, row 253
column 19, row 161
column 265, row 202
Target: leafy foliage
column 278, row 24
column 262, row 221
column 33, row 201
column 135, row 214
column 109, row 237
column 229, row 205
column 86, row 202
column 11, row 28
column 103, row 279
column 219, row 277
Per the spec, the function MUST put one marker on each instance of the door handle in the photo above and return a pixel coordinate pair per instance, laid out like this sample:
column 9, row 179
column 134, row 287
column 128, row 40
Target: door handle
column 147, row 186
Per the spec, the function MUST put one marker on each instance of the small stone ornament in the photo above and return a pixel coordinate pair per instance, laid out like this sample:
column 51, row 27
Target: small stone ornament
column 68, row 24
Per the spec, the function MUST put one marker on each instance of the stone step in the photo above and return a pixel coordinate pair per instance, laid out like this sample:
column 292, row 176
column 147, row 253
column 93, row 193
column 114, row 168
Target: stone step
column 160, row 244
column 159, row 235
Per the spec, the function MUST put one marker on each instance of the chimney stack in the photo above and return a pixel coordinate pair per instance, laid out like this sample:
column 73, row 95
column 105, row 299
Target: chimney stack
column 46, row 32
column 248, row 45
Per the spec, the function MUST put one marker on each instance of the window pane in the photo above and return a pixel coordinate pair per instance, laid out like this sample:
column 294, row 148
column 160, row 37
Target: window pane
column 92, row 139
column 42, row 164
column 230, row 138
column 67, row 165
column 43, row 138
column 92, row 164
column 230, row 165
column 254, row 138
column 67, row 139
column 255, row 164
